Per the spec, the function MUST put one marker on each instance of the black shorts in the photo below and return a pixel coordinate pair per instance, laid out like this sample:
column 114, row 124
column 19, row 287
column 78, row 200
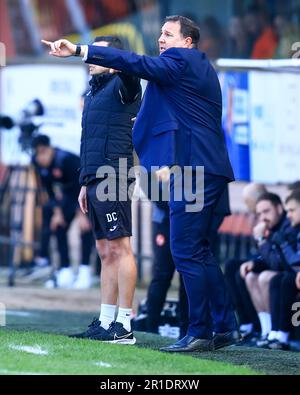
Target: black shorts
column 110, row 219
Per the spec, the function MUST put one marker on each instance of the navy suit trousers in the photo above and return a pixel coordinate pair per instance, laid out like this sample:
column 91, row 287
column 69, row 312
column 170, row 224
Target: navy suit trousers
column 208, row 298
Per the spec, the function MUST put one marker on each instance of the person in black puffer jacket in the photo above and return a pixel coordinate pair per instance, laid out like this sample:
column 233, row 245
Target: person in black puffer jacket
column 285, row 286
column 106, row 155
column 258, row 272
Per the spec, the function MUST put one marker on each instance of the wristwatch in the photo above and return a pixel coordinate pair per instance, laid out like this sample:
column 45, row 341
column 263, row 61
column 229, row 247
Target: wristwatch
column 78, row 50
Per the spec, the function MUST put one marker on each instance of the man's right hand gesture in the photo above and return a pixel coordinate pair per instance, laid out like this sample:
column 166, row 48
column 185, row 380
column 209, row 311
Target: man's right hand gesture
column 245, row 268
column 82, row 200
column 61, row 48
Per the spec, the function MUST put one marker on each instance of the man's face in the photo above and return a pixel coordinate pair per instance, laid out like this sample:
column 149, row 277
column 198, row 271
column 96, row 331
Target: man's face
column 44, row 156
column 171, row 37
column 268, row 213
column 95, row 70
column 293, row 212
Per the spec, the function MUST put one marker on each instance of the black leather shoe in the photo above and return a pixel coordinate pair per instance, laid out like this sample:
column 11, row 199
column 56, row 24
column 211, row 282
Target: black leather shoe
column 190, row 344
column 226, row 339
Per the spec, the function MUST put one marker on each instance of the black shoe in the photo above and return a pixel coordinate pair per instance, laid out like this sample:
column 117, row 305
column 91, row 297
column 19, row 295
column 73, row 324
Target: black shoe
column 249, row 340
column 190, row 344
column 94, row 327
column 116, row 333
column 277, row 345
column 226, row 339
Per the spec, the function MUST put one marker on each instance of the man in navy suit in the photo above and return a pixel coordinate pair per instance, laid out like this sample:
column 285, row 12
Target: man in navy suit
column 179, row 123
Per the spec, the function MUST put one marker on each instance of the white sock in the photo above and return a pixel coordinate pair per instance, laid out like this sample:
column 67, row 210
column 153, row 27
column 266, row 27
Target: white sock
column 107, row 314
column 248, row 328
column 272, row 335
column 265, row 322
column 124, row 316
column 283, row 337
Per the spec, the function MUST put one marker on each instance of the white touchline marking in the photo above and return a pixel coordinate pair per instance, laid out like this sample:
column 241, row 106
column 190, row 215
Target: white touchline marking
column 19, row 313
column 103, row 364
column 30, row 349
column 16, row 372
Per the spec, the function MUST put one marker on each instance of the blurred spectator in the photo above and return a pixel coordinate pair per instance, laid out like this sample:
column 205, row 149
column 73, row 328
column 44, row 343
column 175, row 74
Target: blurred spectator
column 251, row 193
column 261, row 34
column 252, row 28
column 247, row 315
column 251, row 36
column 211, row 38
column 238, row 45
column 58, row 171
column 287, row 34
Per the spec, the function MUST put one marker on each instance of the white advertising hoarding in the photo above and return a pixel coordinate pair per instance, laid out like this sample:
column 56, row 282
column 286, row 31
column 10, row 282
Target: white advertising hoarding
column 274, row 127
column 59, row 88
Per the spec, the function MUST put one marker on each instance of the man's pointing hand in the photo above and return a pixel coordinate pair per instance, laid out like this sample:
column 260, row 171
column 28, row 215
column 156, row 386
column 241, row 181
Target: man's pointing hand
column 61, row 48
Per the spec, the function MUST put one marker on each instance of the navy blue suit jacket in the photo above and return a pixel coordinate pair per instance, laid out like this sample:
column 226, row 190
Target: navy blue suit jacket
column 179, row 121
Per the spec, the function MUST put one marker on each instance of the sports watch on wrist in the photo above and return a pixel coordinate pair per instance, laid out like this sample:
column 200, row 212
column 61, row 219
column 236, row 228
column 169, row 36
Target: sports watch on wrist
column 78, row 50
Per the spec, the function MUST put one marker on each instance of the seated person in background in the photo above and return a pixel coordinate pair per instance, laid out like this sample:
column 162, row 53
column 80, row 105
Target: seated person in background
column 248, row 320
column 285, row 286
column 259, row 271
column 58, row 171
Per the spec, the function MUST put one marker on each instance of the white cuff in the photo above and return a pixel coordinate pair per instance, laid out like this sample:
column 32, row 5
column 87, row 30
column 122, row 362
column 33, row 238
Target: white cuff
column 85, row 56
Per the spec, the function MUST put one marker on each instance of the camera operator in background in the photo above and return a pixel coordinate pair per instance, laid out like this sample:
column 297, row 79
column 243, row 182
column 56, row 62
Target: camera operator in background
column 58, row 171
column 24, row 121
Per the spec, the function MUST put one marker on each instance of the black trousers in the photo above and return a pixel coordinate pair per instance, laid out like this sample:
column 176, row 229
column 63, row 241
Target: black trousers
column 240, row 295
column 87, row 241
column 283, row 293
column 162, row 273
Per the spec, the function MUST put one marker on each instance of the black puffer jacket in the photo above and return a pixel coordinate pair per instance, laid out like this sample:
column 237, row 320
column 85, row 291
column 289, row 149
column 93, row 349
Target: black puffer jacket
column 270, row 254
column 109, row 107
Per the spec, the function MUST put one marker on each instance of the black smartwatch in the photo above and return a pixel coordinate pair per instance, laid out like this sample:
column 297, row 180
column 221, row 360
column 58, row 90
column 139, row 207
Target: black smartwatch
column 78, row 50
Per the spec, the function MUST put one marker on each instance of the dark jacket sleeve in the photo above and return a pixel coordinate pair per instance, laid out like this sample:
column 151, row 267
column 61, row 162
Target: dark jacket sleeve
column 164, row 69
column 270, row 256
column 291, row 256
column 130, row 87
column 260, row 265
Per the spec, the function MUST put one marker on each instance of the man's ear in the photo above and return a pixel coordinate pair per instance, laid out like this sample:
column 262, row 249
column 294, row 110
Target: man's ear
column 189, row 41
